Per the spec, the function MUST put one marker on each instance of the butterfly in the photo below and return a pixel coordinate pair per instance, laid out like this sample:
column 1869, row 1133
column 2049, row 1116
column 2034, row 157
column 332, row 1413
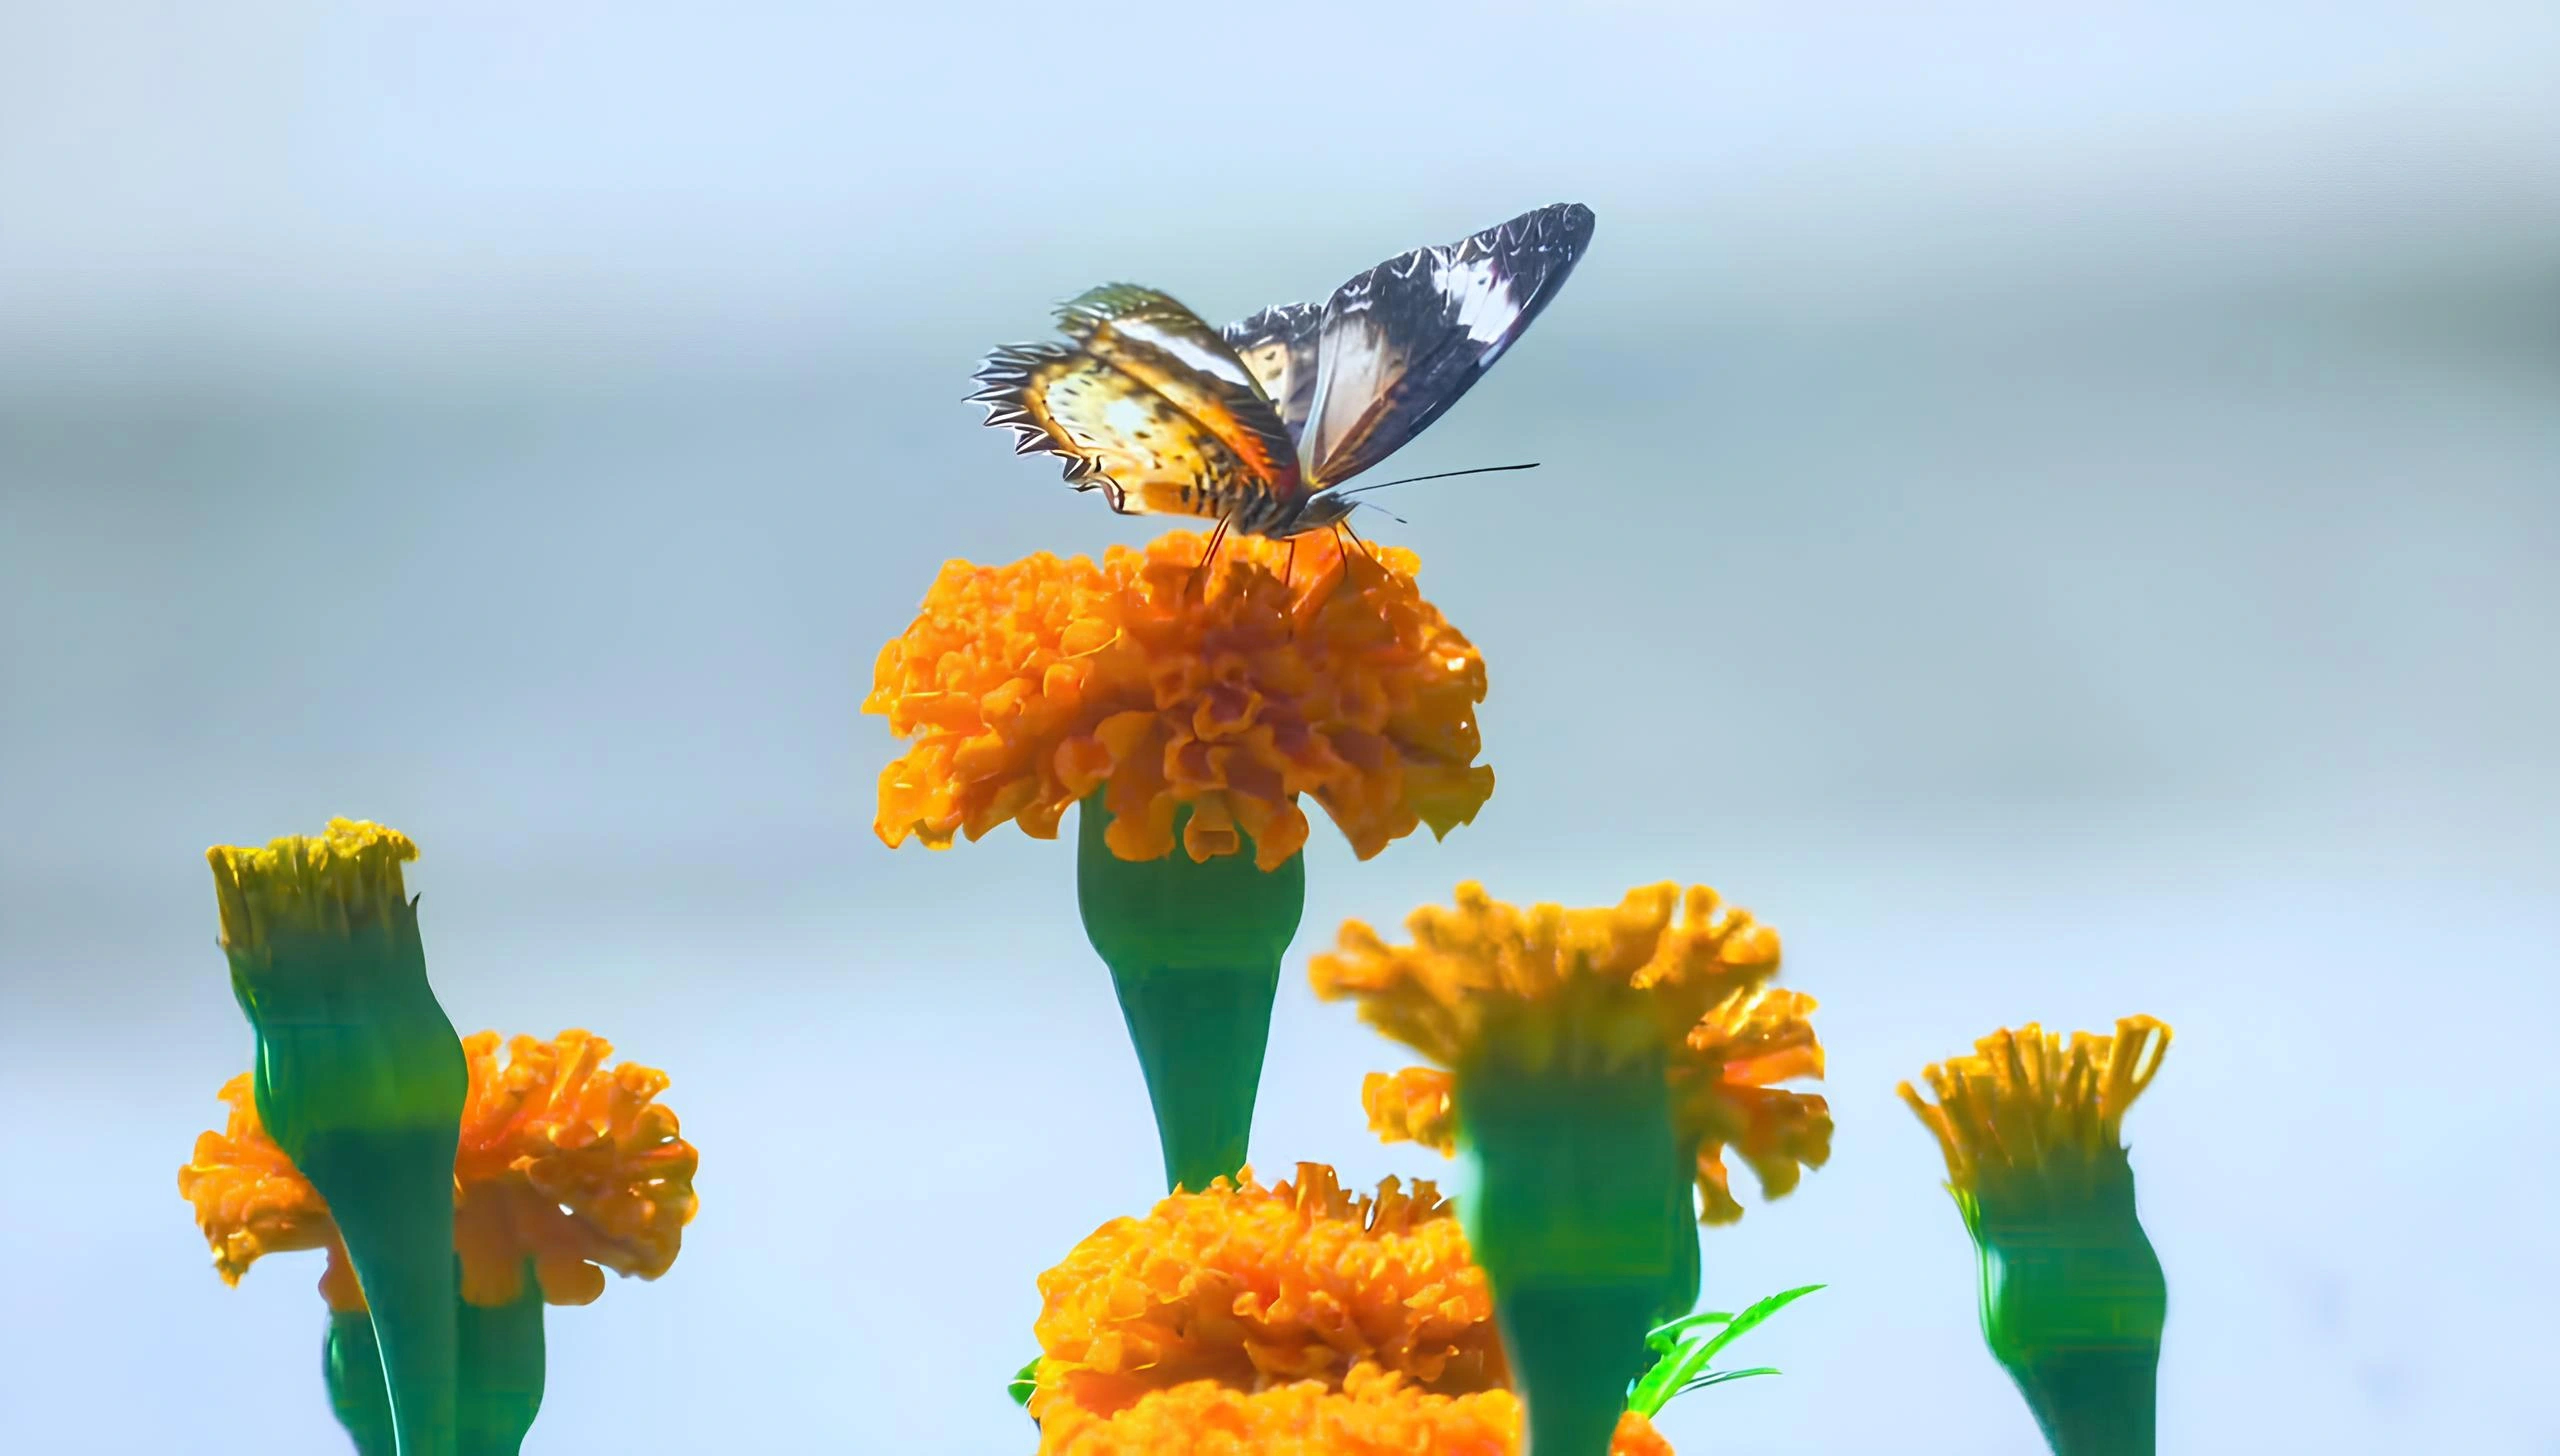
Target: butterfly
column 1256, row 423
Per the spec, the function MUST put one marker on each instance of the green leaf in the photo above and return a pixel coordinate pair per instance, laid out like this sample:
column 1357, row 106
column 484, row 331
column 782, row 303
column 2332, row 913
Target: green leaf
column 1665, row 1338
column 1721, row 1376
column 1025, row 1381
column 1684, row 1364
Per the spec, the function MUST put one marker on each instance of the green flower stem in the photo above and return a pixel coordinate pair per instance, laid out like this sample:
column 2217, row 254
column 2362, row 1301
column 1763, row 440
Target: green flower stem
column 501, row 1353
column 351, row 1364
column 1688, row 1276
column 1567, row 1175
column 2073, row 1304
column 360, row 1080
column 1194, row 950
column 1573, row 1351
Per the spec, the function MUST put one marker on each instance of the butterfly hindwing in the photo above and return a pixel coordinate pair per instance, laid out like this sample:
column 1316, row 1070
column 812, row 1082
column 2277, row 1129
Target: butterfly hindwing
column 1400, row 343
column 1167, row 348
column 1118, row 435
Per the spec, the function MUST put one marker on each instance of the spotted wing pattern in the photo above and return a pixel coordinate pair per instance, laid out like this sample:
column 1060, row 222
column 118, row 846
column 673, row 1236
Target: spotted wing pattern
column 1146, row 404
column 1397, row 345
column 1165, row 347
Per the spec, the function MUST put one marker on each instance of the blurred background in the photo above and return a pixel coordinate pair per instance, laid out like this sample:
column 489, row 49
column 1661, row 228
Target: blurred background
column 2056, row 507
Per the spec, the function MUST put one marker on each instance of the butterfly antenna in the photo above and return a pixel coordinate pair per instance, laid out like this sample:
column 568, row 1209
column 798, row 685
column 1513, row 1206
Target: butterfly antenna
column 1390, row 515
column 1437, row 475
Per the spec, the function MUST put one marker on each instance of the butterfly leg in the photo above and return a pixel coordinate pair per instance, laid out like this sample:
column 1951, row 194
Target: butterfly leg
column 1343, row 528
column 1209, row 555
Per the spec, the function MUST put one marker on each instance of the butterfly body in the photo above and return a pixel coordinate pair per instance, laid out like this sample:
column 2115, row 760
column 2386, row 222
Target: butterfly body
column 1254, row 424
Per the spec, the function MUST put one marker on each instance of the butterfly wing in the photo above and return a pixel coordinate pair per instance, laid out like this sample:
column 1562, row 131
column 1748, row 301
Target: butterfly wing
column 1279, row 346
column 1146, row 404
column 1397, row 345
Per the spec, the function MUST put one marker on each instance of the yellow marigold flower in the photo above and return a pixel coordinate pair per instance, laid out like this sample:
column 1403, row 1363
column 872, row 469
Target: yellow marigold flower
column 562, row 1162
column 1024, row 688
column 578, row 1168
column 1248, row 1286
column 2027, row 1111
column 1373, row 1413
column 250, row 1201
column 1535, row 985
column 1488, row 971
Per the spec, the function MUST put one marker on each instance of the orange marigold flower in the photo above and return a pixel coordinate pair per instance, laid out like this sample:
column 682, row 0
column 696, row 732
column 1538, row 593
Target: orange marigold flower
column 1373, row 1413
column 1295, row 670
column 250, row 1201
column 562, row 1162
column 1249, row 1286
column 1488, row 978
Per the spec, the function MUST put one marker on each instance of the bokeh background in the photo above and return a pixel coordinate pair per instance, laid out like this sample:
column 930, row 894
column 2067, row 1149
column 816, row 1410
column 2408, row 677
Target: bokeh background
column 2057, row 507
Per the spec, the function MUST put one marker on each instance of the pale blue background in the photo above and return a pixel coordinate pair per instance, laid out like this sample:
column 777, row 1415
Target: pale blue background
column 2056, row 506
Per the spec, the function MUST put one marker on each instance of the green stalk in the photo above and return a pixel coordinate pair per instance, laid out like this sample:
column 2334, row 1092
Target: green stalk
column 1194, row 950
column 2073, row 1305
column 1567, row 1176
column 502, row 1359
column 351, row 1364
column 360, row 1079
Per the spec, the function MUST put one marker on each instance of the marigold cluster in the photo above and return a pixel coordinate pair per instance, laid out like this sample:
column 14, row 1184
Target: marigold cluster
column 2027, row 1109
column 1373, row 1412
column 563, row 1162
column 1250, row 1286
column 1285, row 670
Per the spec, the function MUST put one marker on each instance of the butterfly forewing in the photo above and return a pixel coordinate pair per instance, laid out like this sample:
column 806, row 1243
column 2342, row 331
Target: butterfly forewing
column 1400, row 343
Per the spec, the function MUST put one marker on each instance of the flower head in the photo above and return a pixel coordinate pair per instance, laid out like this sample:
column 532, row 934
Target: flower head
column 1535, row 979
column 562, row 1163
column 251, row 1201
column 1249, row 1286
column 1546, row 984
column 1293, row 670
column 2029, row 1118
column 2073, row 1296
column 1372, row 1412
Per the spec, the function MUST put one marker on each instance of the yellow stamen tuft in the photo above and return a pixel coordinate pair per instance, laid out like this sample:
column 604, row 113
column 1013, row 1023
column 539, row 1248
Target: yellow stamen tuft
column 346, row 878
column 1373, row 1413
column 1292, row 670
column 1248, row 1286
column 563, row 1162
column 250, row 1201
column 2025, row 1108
